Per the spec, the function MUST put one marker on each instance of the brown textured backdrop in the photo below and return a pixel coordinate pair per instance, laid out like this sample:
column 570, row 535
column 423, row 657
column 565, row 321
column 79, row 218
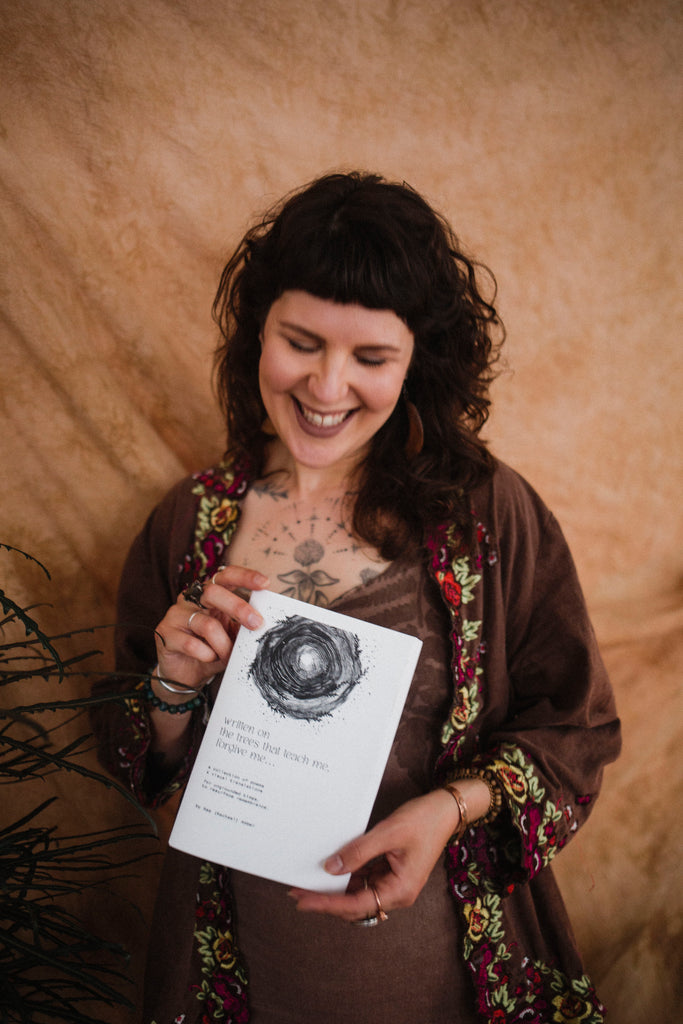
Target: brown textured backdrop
column 137, row 139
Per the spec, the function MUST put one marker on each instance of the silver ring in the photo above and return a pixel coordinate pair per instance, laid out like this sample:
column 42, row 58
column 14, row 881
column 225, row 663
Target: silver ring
column 189, row 621
column 217, row 573
column 194, row 592
column 367, row 922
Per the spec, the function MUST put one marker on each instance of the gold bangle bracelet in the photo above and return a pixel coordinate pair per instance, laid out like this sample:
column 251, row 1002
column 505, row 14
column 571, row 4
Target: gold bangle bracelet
column 490, row 780
column 463, row 824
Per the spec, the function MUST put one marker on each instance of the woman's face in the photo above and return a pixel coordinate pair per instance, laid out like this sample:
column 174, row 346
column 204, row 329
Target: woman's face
column 330, row 376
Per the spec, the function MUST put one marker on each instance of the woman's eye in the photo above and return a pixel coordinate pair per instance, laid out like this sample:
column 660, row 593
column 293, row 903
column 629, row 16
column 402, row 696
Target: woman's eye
column 300, row 347
column 371, row 360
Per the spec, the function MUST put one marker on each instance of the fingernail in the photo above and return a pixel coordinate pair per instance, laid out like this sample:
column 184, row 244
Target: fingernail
column 334, row 865
column 263, row 580
column 254, row 621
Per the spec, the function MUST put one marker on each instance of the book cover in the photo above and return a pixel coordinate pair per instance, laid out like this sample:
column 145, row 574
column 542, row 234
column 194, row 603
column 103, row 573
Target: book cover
column 297, row 742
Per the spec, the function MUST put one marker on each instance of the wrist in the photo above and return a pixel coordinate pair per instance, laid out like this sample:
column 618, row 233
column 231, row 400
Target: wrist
column 448, row 821
column 485, row 803
column 173, row 692
column 169, row 698
column 471, row 802
column 463, row 812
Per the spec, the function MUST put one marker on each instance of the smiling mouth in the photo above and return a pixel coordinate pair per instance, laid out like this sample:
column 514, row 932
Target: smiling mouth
column 316, row 419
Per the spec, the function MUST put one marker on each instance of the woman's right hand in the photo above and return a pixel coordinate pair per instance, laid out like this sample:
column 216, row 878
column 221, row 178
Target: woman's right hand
column 194, row 641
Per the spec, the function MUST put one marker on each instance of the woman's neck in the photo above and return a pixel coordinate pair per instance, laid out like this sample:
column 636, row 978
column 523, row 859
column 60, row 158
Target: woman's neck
column 307, row 484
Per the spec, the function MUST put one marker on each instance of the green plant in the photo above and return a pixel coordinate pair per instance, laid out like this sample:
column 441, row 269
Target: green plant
column 52, row 967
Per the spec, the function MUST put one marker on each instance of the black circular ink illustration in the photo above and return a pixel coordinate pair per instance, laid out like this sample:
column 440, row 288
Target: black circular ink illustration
column 306, row 669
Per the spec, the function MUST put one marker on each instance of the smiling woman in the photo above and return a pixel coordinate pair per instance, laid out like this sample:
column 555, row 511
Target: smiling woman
column 355, row 358
column 330, row 376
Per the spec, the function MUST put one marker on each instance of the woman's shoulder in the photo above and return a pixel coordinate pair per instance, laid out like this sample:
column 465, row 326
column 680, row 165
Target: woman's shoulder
column 176, row 502
column 510, row 509
column 507, row 490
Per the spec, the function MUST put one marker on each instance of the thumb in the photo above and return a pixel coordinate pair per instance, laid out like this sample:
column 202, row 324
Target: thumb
column 355, row 855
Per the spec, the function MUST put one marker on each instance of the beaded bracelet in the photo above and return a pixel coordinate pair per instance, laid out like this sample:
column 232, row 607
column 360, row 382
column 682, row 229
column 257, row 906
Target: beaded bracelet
column 488, row 777
column 173, row 709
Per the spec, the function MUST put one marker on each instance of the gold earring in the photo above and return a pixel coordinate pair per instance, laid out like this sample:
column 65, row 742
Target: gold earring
column 267, row 428
column 416, row 434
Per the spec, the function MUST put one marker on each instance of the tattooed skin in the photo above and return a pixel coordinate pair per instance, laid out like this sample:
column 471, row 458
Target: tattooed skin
column 307, row 549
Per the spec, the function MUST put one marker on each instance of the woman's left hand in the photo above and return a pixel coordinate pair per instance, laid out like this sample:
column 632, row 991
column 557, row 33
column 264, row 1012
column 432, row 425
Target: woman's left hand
column 395, row 857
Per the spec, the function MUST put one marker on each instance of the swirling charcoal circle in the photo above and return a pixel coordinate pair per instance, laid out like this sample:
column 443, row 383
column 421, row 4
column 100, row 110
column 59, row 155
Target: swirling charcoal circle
column 305, row 669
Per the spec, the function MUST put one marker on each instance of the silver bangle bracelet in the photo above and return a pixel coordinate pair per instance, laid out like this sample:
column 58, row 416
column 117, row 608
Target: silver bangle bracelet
column 175, row 689
column 182, row 690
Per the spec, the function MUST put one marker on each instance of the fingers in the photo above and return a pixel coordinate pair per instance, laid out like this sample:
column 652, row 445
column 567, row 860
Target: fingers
column 200, row 635
column 226, row 595
column 195, row 637
column 361, row 851
column 373, row 886
column 395, row 859
column 363, row 899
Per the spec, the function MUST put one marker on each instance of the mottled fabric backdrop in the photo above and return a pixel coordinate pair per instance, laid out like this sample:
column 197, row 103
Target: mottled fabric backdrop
column 139, row 137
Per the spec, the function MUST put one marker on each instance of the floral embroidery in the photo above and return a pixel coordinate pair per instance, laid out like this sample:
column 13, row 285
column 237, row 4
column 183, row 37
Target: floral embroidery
column 451, row 589
column 568, row 1008
column 136, row 732
column 483, row 919
column 539, row 990
column 132, row 752
column 223, row 985
column 579, row 1004
column 466, row 579
column 221, row 516
column 490, row 861
column 219, row 492
column 457, row 581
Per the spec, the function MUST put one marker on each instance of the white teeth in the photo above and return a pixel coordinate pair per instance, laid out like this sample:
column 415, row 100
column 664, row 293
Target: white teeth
column 316, row 420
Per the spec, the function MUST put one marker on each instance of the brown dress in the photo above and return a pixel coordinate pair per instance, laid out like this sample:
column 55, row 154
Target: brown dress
column 341, row 973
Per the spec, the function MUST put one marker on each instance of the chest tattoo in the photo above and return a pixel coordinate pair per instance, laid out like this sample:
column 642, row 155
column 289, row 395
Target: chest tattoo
column 311, row 549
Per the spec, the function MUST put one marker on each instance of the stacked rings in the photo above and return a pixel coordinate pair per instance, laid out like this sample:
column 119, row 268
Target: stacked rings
column 373, row 919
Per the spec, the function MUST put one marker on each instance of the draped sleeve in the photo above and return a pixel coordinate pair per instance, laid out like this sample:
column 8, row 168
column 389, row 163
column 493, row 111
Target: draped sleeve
column 533, row 706
column 533, row 703
column 154, row 573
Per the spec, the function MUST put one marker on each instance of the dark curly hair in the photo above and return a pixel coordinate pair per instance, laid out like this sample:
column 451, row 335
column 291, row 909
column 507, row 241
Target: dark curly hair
column 358, row 238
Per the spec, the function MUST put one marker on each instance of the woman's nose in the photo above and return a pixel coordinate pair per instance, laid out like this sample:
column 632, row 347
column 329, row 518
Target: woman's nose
column 329, row 381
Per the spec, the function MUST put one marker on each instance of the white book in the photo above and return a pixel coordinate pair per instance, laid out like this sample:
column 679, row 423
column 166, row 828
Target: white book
column 297, row 742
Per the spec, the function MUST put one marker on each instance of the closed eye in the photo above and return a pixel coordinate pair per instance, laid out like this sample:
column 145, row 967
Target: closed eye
column 300, row 347
column 370, row 360
column 365, row 359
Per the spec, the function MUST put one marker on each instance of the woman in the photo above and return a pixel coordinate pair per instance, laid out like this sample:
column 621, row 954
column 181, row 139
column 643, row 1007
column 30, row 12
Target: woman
column 356, row 356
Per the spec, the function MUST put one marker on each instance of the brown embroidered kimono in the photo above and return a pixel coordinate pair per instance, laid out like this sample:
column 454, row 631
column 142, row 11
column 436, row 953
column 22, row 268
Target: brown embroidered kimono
column 529, row 699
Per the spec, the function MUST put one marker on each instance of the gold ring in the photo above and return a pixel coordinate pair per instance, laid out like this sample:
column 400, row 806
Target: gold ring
column 372, row 919
column 381, row 915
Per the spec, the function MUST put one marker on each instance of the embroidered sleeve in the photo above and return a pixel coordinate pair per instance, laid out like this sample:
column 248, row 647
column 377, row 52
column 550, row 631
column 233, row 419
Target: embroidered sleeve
column 532, row 704
column 185, row 537
column 548, row 750
column 124, row 749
